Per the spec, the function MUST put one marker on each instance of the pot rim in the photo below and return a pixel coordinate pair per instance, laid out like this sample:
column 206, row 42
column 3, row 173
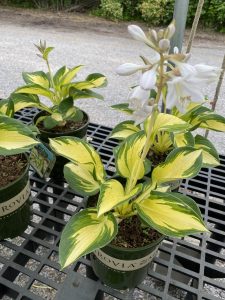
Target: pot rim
column 68, row 131
column 137, row 248
column 22, row 175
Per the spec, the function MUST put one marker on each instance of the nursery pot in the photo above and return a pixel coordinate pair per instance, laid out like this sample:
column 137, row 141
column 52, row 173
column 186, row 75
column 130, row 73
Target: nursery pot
column 57, row 171
column 15, row 206
column 123, row 268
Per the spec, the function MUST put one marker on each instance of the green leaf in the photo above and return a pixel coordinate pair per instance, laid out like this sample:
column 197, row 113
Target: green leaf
column 212, row 121
column 84, row 233
column 184, row 162
column 97, row 79
column 65, row 105
column 77, row 94
column 182, row 139
column 15, row 137
column 78, row 116
column 81, row 179
column 124, row 129
column 210, row 157
column 69, row 76
column 39, row 78
column 50, row 122
column 59, row 75
column 172, row 214
column 27, row 100
column 112, row 194
column 46, row 52
column 128, row 155
column 124, row 107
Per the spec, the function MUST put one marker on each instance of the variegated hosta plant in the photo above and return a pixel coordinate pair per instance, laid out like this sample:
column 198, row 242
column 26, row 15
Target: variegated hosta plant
column 59, row 88
column 169, row 213
column 170, row 83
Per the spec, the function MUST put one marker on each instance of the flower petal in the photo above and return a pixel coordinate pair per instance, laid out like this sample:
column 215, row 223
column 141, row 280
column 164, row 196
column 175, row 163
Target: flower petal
column 129, row 68
column 148, row 79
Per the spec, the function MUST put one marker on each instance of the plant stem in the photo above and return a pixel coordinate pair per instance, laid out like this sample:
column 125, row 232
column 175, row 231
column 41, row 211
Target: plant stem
column 55, row 99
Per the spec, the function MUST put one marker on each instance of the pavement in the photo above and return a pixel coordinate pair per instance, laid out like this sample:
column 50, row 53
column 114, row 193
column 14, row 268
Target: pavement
column 99, row 45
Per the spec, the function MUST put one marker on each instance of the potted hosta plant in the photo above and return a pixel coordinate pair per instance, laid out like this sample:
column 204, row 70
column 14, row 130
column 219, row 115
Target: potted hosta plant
column 15, row 140
column 62, row 117
column 137, row 208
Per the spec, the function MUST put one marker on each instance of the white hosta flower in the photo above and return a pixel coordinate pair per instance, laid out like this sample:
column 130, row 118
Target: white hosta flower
column 139, row 103
column 129, row 69
column 207, row 73
column 148, row 79
column 138, row 34
column 181, row 91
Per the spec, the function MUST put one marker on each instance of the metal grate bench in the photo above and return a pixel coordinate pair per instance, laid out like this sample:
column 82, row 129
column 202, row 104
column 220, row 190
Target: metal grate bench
column 189, row 268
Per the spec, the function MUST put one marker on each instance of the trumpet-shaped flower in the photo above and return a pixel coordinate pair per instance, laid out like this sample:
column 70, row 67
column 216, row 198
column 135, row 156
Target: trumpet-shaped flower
column 148, row 79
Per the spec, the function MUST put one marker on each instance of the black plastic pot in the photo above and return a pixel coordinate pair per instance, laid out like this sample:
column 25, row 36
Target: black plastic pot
column 123, row 268
column 57, row 171
column 15, row 206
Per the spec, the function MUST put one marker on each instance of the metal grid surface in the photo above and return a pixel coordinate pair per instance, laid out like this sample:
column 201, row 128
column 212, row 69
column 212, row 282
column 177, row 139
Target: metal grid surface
column 189, row 268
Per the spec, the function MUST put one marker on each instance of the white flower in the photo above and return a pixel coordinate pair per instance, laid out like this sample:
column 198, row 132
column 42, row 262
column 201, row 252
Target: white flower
column 139, row 103
column 129, row 68
column 148, row 79
column 181, row 92
column 207, row 73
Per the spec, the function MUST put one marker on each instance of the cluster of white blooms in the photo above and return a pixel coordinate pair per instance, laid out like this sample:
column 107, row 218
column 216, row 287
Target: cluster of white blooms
column 184, row 83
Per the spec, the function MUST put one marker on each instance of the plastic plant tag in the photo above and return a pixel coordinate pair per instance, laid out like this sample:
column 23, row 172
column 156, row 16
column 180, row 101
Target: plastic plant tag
column 42, row 160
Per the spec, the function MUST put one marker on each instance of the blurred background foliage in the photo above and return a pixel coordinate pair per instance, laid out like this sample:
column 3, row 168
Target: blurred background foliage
column 157, row 12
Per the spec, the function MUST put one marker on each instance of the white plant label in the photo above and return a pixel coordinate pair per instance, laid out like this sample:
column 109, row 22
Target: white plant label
column 124, row 265
column 16, row 202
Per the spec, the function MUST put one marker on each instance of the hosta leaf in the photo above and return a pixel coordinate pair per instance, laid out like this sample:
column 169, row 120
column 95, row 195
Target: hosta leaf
column 128, row 155
column 81, row 179
column 85, row 93
column 112, row 193
column 36, row 90
column 124, row 129
column 123, row 107
column 81, row 152
column 183, row 162
column 172, row 214
column 210, row 157
column 182, row 139
column 57, row 78
column 25, row 100
column 84, row 233
column 82, row 85
column 15, row 137
column 97, row 79
column 39, row 78
column 4, row 104
column 69, row 76
column 212, row 121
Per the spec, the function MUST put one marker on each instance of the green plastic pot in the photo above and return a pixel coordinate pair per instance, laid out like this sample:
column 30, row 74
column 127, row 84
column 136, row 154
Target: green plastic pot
column 123, row 268
column 57, row 171
column 15, row 206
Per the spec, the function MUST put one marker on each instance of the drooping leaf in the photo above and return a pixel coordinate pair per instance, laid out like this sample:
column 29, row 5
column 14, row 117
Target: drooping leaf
column 123, row 107
column 15, row 137
column 124, row 129
column 85, row 93
column 81, row 179
column 84, row 233
column 79, row 151
column 97, row 79
column 171, row 214
column 128, row 156
column 184, row 162
column 37, row 78
column 112, row 193
column 212, row 121
column 210, row 157
column 27, row 100
column 36, row 90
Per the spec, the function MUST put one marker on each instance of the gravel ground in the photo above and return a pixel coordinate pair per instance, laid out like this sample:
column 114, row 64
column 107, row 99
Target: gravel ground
column 101, row 46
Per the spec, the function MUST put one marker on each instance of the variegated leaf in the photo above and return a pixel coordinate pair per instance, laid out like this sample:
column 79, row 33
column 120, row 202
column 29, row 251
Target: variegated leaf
column 210, row 157
column 36, row 90
column 25, row 100
column 183, row 162
column 172, row 214
column 15, row 137
column 124, row 129
column 212, row 121
column 123, row 107
column 182, row 139
column 39, row 78
column 81, row 179
column 84, row 233
column 59, row 75
column 97, row 79
column 69, row 76
column 112, row 193
column 81, row 152
column 128, row 156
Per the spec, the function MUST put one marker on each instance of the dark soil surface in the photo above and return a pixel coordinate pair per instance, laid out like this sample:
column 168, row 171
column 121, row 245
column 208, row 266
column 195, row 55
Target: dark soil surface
column 157, row 159
column 11, row 167
column 69, row 126
column 132, row 235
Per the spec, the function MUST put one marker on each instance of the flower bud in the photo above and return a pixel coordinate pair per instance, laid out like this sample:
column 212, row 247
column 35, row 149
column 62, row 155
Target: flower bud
column 153, row 36
column 160, row 34
column 171, row 30
column 137, row 33
column 128, row 69
column 164, row 44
